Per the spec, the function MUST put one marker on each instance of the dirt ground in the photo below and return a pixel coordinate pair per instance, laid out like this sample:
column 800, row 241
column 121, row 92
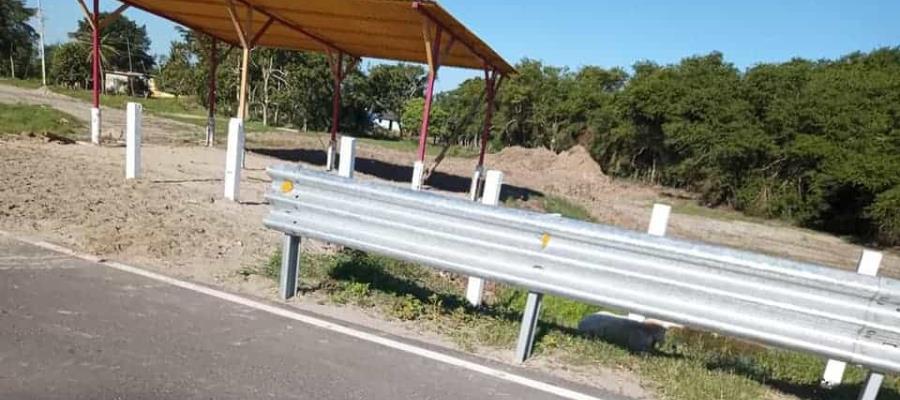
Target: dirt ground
column 175, row 220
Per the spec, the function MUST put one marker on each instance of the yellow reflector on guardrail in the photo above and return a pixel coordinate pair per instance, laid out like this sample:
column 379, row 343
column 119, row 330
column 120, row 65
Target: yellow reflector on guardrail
column 287, row 186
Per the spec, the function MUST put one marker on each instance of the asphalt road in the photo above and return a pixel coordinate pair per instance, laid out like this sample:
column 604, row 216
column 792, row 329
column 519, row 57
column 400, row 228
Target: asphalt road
column 73, row 329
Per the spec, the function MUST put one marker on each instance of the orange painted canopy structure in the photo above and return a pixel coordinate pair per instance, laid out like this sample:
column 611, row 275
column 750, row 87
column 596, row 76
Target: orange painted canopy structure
column 385, row 29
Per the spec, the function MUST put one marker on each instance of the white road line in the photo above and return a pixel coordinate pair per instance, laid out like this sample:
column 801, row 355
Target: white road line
column 319, row 323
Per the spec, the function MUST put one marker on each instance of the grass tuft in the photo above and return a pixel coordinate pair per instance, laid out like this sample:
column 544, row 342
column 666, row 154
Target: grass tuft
column 22, row 83
column 19, row 118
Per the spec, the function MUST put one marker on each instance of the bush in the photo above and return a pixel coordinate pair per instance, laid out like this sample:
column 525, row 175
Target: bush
column 885, row 214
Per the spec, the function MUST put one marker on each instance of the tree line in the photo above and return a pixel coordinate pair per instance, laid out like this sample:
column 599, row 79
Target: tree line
column 816, row 142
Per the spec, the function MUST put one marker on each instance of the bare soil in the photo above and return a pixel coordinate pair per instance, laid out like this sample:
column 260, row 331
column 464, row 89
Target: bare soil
column 175, row 220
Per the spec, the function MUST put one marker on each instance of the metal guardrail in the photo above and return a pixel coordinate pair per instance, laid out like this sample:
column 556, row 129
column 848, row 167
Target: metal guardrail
column 807, row 307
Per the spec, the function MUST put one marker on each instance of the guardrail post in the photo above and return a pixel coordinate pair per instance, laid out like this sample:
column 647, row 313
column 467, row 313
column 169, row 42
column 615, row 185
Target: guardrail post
column 290, row 266
column 348, row 157
column 659, row 222
column 529, row 326
column 133, row 141
column 234, row 155
column 868, row 264
column 492, row 185
column 871, row 386
column 418, row 174
column 329, row 157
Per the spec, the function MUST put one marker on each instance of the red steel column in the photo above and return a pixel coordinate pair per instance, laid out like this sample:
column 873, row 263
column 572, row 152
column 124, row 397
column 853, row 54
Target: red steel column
column 336, row 97
column 95, row 43
column 429, row 93
column 490, row 78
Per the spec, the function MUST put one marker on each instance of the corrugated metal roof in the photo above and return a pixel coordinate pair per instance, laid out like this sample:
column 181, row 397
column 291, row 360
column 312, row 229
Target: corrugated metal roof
column 386, row 29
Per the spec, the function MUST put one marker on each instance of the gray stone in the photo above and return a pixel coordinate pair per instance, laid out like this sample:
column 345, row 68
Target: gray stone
column 634, row 335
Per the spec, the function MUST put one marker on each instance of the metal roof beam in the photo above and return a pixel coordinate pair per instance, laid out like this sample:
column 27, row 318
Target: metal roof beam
column 417, row 5
column 195, row 27
column 112, row 17
column 87, row 14
column 261, row 32
column 295, row 27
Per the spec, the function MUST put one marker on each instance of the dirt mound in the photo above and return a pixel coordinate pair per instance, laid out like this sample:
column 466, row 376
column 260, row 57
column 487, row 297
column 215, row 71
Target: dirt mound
column 572, row 173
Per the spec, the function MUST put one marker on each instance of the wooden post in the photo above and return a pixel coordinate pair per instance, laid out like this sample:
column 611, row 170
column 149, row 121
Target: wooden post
column 211, row 100
column 245, row 60
column 432, row 50
column 245, row 66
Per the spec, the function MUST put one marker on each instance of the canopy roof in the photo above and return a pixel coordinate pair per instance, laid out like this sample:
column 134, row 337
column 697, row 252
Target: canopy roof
column 386, row 29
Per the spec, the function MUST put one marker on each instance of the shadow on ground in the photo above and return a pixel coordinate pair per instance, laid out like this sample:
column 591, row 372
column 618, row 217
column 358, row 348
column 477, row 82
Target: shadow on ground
column 801, row 390
column 395, row 173
column 402, row 279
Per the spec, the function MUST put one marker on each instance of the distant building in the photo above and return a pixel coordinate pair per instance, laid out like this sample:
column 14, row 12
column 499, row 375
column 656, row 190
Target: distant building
column 127, row 83
column 387, row 120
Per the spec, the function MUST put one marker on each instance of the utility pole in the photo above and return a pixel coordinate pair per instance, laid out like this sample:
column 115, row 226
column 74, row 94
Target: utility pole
column 40, row 15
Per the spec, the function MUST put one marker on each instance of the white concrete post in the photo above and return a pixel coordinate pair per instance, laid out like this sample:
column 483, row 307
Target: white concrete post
column 348, row 157
column 869, row 262
column 234, row 155
column 95, row 125
column 659, row 221
column 492, row 186
column 133, row 141
column 418, row 174
column 329, row 157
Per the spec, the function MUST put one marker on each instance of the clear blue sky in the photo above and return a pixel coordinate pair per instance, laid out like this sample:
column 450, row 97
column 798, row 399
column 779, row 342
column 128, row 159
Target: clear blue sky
column 618, row 33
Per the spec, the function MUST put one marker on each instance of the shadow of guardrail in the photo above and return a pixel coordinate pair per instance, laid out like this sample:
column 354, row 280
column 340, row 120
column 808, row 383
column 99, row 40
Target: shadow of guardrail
column 394, row 172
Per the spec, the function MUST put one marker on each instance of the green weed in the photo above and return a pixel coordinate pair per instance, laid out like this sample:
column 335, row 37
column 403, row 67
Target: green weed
column 18, row 118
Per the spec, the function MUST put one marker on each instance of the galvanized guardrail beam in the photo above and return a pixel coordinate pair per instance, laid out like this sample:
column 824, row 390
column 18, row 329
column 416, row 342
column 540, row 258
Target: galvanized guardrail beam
column 807, row 307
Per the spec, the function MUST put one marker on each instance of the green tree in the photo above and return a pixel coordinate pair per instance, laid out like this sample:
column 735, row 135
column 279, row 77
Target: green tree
column 177, row 73
column 16, row 37
column 464, row 108
column 411, row 119
column 70, row 66
column 125, row 45
column 390, row 86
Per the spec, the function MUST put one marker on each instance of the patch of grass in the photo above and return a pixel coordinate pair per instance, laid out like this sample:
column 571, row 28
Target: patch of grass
column 184, row 109
column 18, row 118
column 553, row 205
column 692, row 208
column 557, row 310
column 22, row 83
column 566, row 208
column 688, row 365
